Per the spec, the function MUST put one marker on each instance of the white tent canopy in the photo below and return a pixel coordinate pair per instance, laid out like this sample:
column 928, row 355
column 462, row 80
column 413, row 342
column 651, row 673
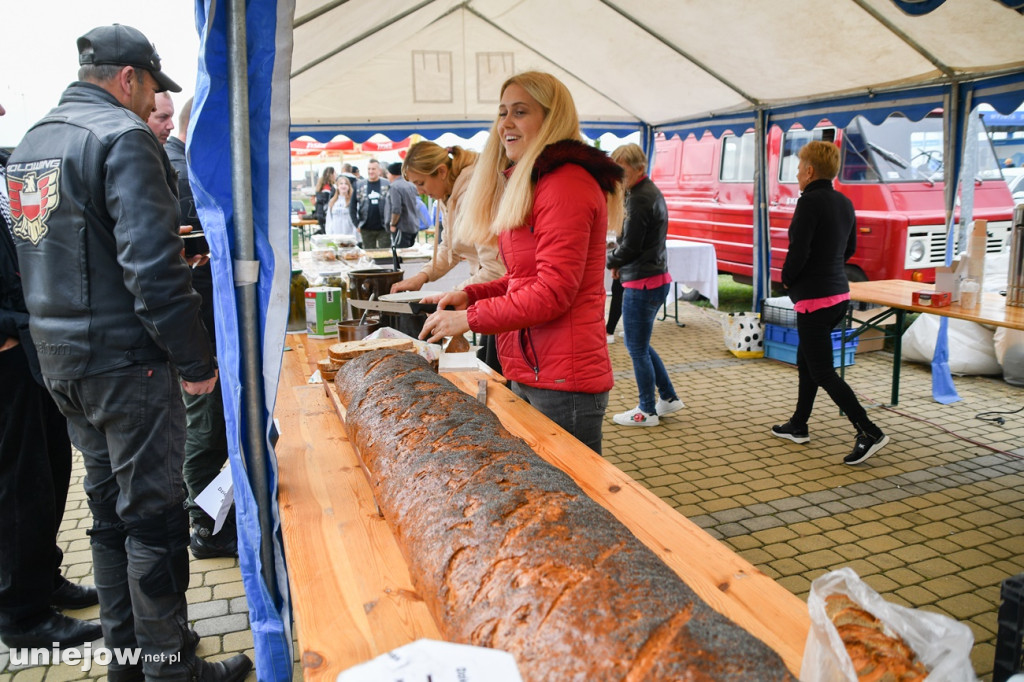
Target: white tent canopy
column 271, row 70
column 637, row 62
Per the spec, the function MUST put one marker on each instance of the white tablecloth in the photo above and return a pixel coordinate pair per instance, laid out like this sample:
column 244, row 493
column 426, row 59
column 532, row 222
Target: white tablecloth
column 692, row 264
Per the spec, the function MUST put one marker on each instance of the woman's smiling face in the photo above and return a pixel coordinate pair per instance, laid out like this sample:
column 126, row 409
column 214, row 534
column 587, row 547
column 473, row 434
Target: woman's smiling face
column 520, row 117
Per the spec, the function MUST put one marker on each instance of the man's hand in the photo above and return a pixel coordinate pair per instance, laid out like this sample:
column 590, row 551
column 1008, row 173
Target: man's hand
column 9, row 343
column 201, row 387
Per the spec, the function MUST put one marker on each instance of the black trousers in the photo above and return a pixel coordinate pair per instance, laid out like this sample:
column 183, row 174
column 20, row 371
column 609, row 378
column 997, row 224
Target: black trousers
column 35, row 470
column 614, row 307
column 814, row 361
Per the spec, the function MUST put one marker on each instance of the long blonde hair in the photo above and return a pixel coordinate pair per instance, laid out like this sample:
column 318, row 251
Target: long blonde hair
column 491, row 205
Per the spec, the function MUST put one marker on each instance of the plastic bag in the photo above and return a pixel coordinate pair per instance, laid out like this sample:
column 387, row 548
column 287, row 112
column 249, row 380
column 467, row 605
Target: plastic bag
column 942, row 644
column 971, row 350
column 744, row 335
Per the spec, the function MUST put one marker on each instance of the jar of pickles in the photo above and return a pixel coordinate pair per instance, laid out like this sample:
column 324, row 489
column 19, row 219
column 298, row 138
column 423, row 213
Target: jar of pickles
column 297, row 302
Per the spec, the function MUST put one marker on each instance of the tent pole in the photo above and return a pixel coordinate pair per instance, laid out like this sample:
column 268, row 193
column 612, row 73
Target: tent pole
column 762, row 230
column 245, row 252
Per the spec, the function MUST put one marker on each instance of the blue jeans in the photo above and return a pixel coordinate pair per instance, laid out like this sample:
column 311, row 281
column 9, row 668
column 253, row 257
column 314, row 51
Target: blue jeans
column 581, row 414
column 639, row 310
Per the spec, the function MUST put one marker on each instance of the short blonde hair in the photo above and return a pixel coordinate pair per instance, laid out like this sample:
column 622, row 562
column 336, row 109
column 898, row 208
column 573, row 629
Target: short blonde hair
column 822, row 156
column 490, row 205
column 630, row 155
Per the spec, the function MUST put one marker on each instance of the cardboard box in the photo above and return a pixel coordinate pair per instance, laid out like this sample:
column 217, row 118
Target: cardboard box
column 323, row 312
column 870, row 339
column 932, row 299
column 949, row 279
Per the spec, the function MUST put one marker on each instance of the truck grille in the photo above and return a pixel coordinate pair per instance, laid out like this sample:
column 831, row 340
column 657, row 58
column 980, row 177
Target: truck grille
column 933, row 240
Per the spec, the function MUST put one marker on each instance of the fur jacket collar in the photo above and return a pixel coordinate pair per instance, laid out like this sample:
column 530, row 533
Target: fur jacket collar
column 606, row 172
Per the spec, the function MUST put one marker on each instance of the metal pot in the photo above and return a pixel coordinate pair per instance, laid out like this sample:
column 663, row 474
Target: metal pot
column 362, row 283
column 352, row 330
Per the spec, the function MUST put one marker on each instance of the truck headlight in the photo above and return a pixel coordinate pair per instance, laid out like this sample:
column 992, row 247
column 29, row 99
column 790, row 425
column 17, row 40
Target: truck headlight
column 917, row 251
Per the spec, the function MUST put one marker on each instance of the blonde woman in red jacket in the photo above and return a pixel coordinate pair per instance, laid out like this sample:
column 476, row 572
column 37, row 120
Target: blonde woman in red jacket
column 551, row 198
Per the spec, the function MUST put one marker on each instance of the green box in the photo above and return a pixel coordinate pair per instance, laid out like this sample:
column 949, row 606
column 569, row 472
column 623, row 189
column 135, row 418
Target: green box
column 323, row 312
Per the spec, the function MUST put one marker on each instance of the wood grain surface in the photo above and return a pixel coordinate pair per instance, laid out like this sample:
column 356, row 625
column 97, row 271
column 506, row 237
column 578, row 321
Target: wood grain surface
column 351, row 590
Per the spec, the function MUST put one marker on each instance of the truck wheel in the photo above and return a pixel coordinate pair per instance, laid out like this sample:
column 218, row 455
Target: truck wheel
column 855, row 274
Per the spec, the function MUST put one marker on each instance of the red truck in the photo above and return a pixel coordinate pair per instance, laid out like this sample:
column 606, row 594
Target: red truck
column 892, row 173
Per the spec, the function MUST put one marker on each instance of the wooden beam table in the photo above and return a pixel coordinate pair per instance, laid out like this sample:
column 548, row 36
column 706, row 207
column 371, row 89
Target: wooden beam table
column 896, row 295
column 351, row 593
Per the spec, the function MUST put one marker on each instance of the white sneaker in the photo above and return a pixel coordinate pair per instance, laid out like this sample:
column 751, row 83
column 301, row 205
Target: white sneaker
column 611, row 339
column 623, row 333
column 664, row 407
column 636, row 417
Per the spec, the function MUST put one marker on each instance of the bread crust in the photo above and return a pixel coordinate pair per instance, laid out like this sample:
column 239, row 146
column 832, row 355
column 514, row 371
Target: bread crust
column 876, row 656
column 508, row 552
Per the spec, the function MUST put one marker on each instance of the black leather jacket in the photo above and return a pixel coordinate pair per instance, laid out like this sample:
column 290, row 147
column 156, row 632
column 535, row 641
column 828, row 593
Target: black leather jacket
column 641, row 252
column 104, row 282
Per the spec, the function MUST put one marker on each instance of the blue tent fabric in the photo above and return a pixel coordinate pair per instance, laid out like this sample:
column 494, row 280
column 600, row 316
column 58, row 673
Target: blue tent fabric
column 268, row 24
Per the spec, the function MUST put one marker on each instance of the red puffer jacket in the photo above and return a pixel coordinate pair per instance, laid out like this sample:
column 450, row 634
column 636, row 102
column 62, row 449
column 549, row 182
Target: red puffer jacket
column 548, row 309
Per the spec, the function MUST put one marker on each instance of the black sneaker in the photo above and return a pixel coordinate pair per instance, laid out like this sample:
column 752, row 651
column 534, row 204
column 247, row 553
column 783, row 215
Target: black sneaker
column 790, row 432
column 205, row 545
column 865, row 447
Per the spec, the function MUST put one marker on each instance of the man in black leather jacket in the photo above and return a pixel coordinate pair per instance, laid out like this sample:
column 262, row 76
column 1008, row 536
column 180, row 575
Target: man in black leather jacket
column 35, row 472
column 117, row 329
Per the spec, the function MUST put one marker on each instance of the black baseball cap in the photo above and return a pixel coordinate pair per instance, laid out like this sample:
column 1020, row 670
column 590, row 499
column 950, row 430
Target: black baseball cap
column 124, row 46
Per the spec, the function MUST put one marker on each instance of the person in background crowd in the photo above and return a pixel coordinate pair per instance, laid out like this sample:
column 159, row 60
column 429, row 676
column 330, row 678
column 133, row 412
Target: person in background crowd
column 402, row 208
column 161, row 121
column 822, row 237
column 443, row 175
column 339, row 219
column 206, row 442
column 552, row 218
column 368, row 208
column 640, row 262
column 614, row 309
column 323, row 190
column 119, row 334
column 35, row 473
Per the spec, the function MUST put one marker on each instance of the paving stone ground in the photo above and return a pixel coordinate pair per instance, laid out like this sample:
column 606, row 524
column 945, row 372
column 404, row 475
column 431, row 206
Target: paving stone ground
column 934, row 521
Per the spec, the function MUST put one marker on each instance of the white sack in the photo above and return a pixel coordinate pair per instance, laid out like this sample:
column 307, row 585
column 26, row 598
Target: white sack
column 971, row 350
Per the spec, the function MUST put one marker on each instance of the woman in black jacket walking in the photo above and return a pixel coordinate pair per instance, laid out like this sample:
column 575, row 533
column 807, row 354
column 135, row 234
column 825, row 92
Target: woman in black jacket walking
column 822, row 237
column 640, row 261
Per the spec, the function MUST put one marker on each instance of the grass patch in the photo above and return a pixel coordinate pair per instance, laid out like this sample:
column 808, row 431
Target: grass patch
column 732, row 296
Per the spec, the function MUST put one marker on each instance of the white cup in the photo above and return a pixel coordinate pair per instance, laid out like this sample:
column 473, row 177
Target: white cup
column 970, row 293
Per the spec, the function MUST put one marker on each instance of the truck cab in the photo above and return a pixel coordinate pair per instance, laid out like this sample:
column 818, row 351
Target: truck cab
column 892, row 172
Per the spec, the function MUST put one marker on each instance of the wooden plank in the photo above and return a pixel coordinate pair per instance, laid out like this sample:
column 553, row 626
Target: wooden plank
column 727, row 582
column 352, row 595
column 897, row 293
column 722, row 578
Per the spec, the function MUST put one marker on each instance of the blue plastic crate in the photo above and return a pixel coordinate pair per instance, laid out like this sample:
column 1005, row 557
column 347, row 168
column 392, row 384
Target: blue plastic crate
column 790, row 337
column 785, row 352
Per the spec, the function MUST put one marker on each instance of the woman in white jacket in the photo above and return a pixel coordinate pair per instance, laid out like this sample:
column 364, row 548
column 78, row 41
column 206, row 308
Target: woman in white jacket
column 443, row 174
